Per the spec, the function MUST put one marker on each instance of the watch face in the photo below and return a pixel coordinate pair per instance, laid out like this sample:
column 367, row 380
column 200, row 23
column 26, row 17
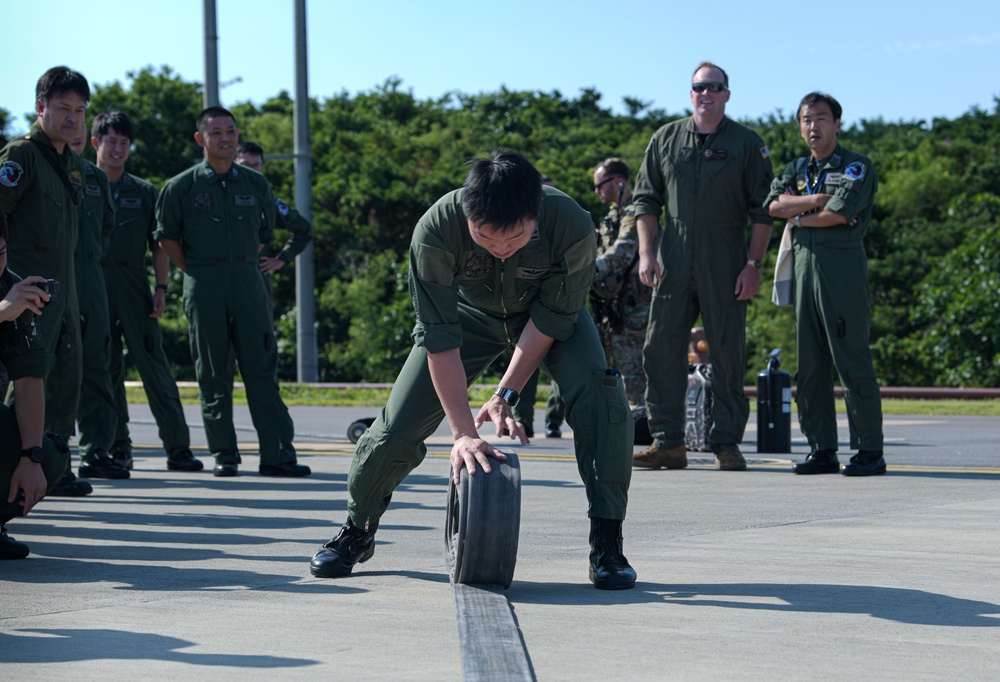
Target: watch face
column 36, row 454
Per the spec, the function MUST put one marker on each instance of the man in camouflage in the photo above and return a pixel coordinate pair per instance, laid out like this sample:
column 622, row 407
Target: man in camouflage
column 619, row 301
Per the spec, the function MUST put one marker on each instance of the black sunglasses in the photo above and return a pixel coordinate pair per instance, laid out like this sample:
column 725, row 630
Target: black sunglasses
column 711, row 87
column 602, row 183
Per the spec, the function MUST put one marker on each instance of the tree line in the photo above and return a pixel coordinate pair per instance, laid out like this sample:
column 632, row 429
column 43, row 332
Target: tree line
column 382, row 157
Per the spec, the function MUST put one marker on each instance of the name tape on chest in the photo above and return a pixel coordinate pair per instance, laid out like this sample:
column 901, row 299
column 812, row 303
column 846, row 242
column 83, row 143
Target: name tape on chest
column 245, row 200
column 92, row 190
column 131, row 202
column 531, row 272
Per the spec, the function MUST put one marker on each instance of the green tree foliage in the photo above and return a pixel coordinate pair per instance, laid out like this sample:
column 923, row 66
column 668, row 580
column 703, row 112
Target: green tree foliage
column 163, row 108
column 381, row 158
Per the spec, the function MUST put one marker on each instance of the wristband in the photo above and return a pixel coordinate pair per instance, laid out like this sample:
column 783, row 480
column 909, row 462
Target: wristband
column 161, row 287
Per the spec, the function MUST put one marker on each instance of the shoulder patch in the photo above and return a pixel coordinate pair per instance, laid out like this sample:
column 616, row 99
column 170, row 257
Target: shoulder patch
column 764, row 153
column 282, row 207
column 855, row 171
column 10, row 173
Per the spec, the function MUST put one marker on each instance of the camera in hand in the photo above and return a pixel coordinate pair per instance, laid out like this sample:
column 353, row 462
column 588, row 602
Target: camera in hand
column 51, row 287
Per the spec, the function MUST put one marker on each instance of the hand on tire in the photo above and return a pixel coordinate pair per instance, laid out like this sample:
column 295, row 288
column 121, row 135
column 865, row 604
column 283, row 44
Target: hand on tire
column 469, row 450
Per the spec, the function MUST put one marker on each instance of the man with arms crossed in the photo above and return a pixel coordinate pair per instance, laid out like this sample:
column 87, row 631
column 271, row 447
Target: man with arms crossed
column 828, row 196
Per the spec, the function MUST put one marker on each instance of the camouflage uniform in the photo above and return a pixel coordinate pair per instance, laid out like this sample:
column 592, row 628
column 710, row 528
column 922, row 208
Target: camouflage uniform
column 619, row 300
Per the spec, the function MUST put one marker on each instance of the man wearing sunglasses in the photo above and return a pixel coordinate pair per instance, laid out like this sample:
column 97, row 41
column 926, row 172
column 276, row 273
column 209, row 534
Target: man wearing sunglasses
column 711, row 176
column 828, row 198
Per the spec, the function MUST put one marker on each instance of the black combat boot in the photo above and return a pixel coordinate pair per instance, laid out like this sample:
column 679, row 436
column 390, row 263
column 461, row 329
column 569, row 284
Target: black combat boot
column 11, row 548
column 609, row 569
column 69, row 485
column 352, row 546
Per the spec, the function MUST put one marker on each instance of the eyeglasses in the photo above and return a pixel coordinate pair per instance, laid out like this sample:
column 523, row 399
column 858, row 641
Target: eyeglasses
column 711, row 87
column 603, row 182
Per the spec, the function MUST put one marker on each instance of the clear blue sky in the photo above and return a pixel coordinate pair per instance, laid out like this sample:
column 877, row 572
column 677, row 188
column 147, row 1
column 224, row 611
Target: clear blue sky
column 895, row 60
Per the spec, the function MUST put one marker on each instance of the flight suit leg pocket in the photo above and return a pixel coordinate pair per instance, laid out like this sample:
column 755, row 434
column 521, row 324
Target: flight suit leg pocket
column 616, row 430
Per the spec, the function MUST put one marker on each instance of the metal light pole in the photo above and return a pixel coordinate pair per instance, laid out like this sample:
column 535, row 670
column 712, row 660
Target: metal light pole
column 211, row 93
column 305, row 272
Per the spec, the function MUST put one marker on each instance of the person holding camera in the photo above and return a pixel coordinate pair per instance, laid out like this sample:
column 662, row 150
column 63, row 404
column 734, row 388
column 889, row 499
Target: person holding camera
column 41, row 189
column 30, row 464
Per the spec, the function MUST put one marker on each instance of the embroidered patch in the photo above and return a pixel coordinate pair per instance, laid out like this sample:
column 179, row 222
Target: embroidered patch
column 92, row 190
column 204, row 201
column 282, row 207
column 800, row 183
column 715, row 154
column 132, row 202
column 74, row 178
column 245, row 200
column 687, row 154
column 10, row 173
column 834, row 179
column 764, row 153
column 478, row 266
column 528, row 272
column 855, row 171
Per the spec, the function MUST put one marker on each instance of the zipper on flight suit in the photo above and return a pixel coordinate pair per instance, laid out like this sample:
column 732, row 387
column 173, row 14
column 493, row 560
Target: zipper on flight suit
column 503, row 302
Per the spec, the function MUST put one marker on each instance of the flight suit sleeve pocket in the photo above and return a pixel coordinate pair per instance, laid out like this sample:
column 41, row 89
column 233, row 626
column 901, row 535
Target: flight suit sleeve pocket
column 435, row 265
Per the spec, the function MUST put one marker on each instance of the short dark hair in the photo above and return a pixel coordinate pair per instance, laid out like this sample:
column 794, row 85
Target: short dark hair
column 502, row 190
column 615, row 167
column 112, row 120
column 250, row 148
column 60, row 80
column 3, row 225
column 711, row 65
column 814, row 98
column 212, row 112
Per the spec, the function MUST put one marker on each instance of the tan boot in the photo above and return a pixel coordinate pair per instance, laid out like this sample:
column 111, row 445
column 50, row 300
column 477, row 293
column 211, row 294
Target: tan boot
column 729, row 458
column 654, row 457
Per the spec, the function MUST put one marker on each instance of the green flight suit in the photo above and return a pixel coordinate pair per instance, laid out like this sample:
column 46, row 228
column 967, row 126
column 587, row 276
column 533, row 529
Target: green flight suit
column 465, row 298
column 44, row 221
column 221, row 221
column 130, row 303
column 23, row 353
column 832, row 301
column 97, row 416
column 289, row 219
column 711, row 192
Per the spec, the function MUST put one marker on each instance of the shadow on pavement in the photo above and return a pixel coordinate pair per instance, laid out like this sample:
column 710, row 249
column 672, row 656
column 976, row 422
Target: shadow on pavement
column 64, row 646
column 916, row 607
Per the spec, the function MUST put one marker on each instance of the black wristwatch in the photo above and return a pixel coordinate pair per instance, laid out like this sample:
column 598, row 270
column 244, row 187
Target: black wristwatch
column 755, row 264
column 162, row 287
column 35, row 454
column 508, row 395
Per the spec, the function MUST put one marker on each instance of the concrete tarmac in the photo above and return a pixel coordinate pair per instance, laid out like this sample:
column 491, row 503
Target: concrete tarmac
column 758, row 575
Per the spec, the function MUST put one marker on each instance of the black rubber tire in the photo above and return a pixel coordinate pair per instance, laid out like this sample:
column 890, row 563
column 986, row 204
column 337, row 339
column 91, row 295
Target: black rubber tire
column 483, row 522
column 358, row 428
